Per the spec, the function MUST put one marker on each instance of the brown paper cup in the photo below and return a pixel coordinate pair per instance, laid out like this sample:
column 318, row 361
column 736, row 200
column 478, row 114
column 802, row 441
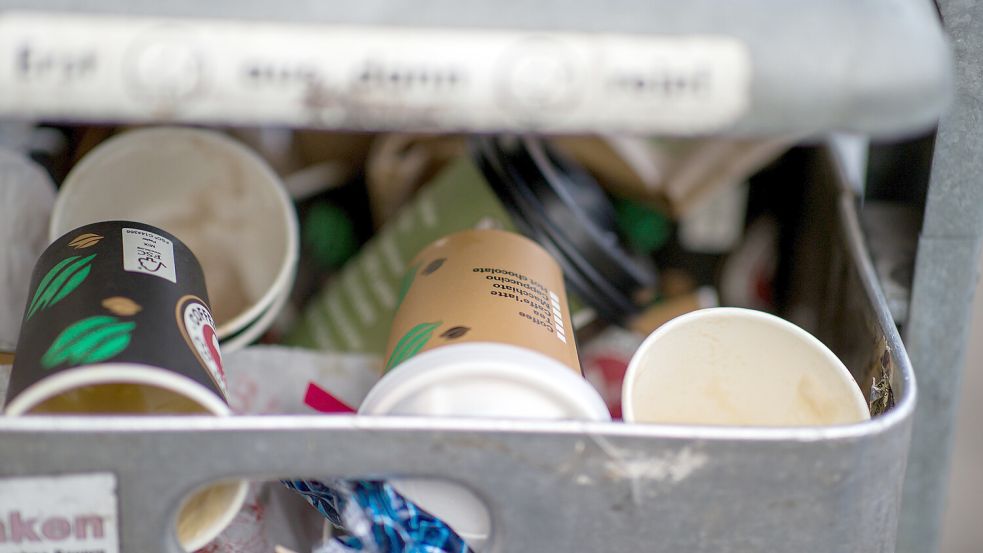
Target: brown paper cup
column 482, row 330
column 483, row 286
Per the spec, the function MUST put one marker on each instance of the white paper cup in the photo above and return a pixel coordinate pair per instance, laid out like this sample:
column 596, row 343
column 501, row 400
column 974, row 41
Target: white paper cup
column 492, row 380
column 738, row 367
column 26, row 197
column 215, row 195
column 208, row 510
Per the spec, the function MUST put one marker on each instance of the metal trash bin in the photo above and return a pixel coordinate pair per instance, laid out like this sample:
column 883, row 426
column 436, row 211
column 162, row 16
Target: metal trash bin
column 567, row 486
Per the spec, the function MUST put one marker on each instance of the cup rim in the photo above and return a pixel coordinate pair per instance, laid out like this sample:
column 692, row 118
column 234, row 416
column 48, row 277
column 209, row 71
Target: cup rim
column 135, row 373
column 221, row 522
column 632, row 373
column 115, row 373
column 255, row 328
column 520, row 365
column 289, row 260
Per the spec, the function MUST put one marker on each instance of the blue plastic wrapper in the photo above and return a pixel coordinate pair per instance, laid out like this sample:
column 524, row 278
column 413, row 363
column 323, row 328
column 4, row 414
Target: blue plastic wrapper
column 376, row 519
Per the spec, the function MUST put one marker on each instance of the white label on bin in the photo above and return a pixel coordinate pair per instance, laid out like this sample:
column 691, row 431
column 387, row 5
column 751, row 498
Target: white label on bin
column 148, row 252
column 368, row 77
column 52, row 514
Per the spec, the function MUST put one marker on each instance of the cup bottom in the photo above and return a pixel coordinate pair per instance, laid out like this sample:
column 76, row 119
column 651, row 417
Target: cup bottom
column 208, row 511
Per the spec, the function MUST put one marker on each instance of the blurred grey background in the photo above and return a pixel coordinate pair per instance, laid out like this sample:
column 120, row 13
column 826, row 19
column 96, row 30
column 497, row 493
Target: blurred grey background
column 962, row 530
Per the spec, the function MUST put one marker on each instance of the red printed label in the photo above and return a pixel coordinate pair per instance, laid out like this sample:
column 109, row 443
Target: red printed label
column 319, row 399
column 198, row 328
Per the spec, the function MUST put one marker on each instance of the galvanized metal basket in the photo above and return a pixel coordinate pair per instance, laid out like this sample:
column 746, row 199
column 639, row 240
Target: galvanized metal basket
column 566, row 486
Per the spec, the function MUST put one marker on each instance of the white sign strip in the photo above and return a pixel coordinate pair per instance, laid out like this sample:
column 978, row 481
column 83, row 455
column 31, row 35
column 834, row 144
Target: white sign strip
column 367, row 77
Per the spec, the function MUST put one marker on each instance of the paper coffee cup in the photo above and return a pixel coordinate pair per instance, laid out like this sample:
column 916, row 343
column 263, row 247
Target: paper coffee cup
column 482, row 330
column 506, row 183
column 738, row 367
column 214, row 194
column 118, row 322
column 354, row 311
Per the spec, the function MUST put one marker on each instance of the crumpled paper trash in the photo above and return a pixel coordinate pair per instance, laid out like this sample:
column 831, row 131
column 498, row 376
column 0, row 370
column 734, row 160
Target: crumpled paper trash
column 282, row 380
column 266, row 380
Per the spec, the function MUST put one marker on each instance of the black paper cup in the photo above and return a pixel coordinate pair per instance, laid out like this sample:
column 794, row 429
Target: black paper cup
column 118, row 321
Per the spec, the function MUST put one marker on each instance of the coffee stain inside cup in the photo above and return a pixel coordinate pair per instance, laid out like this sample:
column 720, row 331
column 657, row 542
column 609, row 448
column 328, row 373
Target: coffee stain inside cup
column 218, row 239
column 217, row 255
column 226, row 289
column 821, row 408
column 724, row 392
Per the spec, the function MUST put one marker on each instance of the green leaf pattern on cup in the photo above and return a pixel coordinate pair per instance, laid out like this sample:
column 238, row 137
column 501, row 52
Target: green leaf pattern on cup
column 411, row 343
column 60, row 281
column 90, row 340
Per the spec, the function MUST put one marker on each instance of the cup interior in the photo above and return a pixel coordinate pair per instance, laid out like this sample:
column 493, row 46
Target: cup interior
column 138, row 389
column 207, row 511
column 729, row 366
column 214, row 194
column 255, row 328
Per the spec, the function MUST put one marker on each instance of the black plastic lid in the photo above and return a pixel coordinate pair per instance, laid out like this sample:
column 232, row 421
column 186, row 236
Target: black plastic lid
column 579, row 210
column 560, row 205
column 526, row 212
